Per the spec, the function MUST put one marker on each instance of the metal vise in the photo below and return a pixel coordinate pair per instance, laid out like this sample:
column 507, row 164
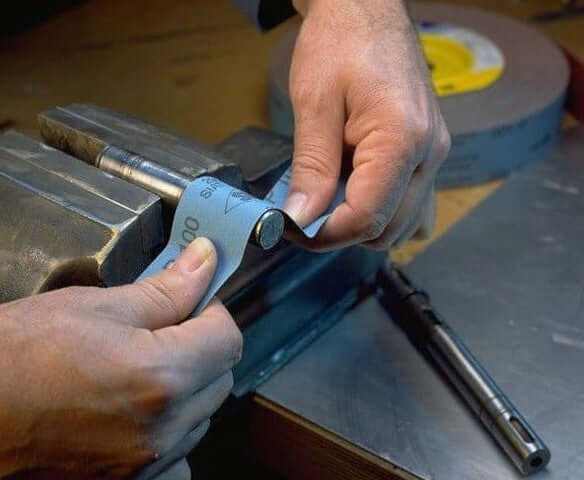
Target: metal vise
column 65, row 222
column 102, row 220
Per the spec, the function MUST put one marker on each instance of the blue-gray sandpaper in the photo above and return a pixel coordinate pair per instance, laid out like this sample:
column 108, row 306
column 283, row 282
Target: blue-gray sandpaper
column 226, row 216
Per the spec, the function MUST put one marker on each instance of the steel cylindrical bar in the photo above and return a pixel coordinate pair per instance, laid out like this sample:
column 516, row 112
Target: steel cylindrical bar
column 169, row 185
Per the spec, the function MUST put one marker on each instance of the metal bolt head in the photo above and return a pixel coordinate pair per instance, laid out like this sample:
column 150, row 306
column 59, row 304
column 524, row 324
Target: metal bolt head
column 269, row 229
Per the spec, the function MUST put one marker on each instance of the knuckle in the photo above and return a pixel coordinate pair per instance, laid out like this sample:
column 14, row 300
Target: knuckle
column 444, row 143
column 156, row 394
column 411, row 129
column 376, row 226
column 379, row 244
column 231, row 337
column 159, row 295
column 314, row 158
column 421, row 128
column 152, row 385
column 369, row 225
column 404, row 143
column 397, row 143
column 303, row 94
column 229, row 382
column 201, row 430
column 222, row 390
column 168, row 385
column 235, row 344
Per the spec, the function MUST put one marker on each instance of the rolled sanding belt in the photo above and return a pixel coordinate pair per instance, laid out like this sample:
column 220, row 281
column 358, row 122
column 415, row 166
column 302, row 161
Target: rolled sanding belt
column 495, row 129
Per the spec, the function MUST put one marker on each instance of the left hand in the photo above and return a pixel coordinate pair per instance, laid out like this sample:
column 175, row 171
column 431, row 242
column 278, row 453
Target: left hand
column 112, row 382
column 359, row 79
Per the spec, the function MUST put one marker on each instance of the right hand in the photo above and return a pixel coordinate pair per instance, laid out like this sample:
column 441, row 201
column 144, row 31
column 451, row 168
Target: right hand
column 359, row 79
column 98, row 383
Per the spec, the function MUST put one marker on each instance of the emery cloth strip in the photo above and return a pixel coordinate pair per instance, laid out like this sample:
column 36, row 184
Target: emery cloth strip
column 227, row 216
column 495, row 130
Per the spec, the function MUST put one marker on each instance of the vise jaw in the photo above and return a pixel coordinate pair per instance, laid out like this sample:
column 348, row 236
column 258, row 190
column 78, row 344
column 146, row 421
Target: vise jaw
column 66, row 222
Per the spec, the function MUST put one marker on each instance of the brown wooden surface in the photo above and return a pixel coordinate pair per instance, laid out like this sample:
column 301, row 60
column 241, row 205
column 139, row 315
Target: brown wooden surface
column 199, row 67
column 315, row 453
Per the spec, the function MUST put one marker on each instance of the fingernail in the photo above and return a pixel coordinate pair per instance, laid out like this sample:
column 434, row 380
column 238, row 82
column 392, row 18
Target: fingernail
column 295, row 206
column 196, row 253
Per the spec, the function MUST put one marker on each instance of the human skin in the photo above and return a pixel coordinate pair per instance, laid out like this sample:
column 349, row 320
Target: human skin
column 358, row 79
column 98, row 383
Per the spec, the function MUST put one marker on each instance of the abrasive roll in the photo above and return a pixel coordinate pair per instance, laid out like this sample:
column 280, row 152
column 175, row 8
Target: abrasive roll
column 507, row 123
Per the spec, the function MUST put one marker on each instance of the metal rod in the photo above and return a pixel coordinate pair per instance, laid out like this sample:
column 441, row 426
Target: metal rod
column 412, row 310
column 169, row 185
column 164, row 182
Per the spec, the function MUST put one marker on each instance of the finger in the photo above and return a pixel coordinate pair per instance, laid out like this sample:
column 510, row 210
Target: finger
column 181, row 470
column 177, row 471
column 318, row 143
column 196, row 352
column 170, row 296
column 409, row 211
column 175, row 454
column 421, row 226
column 427, row 225
column 186, row 414
column 382, row 170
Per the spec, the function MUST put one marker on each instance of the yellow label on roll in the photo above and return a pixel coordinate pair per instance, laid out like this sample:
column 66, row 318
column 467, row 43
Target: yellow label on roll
column 460, row 60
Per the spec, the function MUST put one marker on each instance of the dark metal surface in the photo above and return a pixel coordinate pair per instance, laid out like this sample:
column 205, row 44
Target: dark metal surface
column 257, row 151
column 411, row 308
column 510, row 279
column 86, row 130
column 287, row 307
column 64, row 222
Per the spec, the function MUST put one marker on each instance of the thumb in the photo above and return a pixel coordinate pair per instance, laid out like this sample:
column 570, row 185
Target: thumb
column 170, row 296
column 316, row 165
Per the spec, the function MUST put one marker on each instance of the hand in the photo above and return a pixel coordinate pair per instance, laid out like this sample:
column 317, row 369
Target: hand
column 358, row 79
column 97, row 383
